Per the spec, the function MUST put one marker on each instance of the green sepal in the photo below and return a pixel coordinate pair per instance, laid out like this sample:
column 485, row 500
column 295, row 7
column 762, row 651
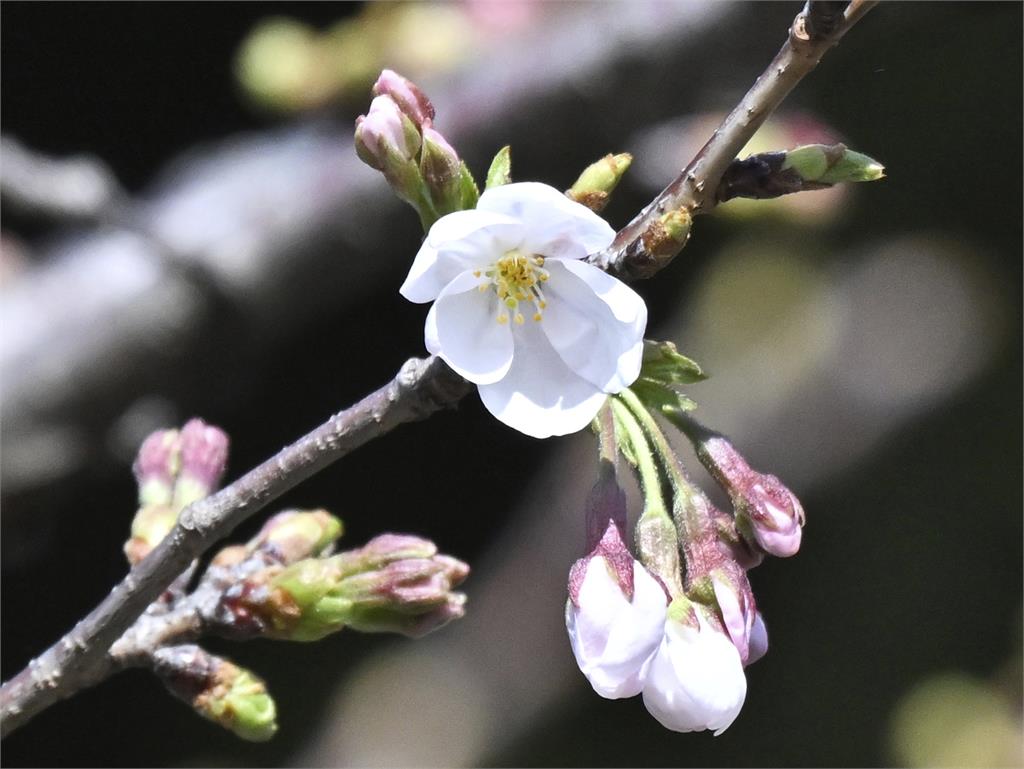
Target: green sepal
column 661, row 398
column 500, row 171
column 664, row 364
column 468, row 189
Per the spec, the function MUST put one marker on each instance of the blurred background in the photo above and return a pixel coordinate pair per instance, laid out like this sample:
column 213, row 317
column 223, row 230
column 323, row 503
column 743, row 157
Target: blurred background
column 187, row 231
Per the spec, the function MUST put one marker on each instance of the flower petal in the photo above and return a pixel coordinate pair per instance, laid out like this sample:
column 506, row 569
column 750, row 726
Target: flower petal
column 553, row 225
column 612, row 637
column 455, row 243
column 462, row 327
column 695, row 681
column 595, row 323
column 540, row 395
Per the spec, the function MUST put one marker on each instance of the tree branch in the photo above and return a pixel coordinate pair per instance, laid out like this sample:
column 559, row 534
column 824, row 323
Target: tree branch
column 816, row 29
column 80, row 659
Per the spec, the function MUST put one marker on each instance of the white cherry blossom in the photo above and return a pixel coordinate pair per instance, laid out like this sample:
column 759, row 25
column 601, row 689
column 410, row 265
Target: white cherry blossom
column 695, row 680
column 612, row 636
column 544, row 335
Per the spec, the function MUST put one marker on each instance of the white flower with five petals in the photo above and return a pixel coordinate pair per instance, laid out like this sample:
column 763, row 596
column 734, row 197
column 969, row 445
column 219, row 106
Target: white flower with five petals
column 544, row 335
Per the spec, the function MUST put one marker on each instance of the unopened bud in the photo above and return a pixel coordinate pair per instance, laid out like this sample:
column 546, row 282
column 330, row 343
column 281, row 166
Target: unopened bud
column 396, row 583
column 204, row 457
column 768, row 514
column 149, row 526
column 832, row 164
column 409, row 98
column 293, row 535
column 657, row 542
column 448, row 181
column 736, row 605
column 595, row 185
column 156, row 466
column 667, row 235
column 218, row 690
column 385, row 137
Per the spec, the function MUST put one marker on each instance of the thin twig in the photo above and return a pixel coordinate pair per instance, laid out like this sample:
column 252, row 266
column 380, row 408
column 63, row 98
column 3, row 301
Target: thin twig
column 695, row 187
column 79, row 659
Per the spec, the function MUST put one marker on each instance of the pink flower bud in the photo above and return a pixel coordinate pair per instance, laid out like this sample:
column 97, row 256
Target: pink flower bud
column 385, row 135
column 156, row 466
column 736, row 604
column 695, row 680
column 409, row 99
column 204, row 457
column 767, row 513
column 613, row 635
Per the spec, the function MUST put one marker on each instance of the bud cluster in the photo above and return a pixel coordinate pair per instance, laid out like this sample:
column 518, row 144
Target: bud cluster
column 683, row 646
column 173, row 469
column 397, row 137
column 396, row 583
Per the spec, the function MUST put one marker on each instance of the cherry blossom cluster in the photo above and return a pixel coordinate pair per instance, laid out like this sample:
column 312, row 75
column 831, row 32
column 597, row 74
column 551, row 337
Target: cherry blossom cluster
column 679, row 623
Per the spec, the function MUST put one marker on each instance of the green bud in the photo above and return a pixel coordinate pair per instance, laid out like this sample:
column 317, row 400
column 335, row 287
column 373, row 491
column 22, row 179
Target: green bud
column 293, row 535
column 500, row 171
column 595, row 185
column 149, row 526
column 832, row 164
column 218, row 690
column 395, row 583
column 239, row 702
column 444, row 174
column 667, row 235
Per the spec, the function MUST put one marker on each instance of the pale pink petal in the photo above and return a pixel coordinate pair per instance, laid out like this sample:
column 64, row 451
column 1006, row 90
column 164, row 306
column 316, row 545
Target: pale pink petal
column 540, row 396
column 462, row 327
column 596, row 328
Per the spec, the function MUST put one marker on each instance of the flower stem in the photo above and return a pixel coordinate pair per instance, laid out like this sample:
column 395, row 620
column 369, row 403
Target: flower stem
column 690, row 508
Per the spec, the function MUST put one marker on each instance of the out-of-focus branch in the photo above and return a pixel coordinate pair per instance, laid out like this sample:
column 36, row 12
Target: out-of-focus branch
column 81, row 189
column 80, row 658
column 814, row 31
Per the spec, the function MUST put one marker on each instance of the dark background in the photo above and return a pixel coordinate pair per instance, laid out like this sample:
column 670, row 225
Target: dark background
column 874, row 602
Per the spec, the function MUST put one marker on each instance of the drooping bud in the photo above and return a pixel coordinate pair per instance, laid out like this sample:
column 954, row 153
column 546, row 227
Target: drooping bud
column 613, row 633
column 386, row 139
column 736, row 604
column 293, row 535
column 595, row 185
column 204, row 457
column 768, row 514
column 218, row 690
column 149, row 526
column 406, row 95
column 695, row 680
column 832, row 164
column 156, row 467
column 395, row 583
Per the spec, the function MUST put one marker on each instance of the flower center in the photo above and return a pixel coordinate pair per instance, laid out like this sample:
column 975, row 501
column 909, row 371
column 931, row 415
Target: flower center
column 516, row 277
